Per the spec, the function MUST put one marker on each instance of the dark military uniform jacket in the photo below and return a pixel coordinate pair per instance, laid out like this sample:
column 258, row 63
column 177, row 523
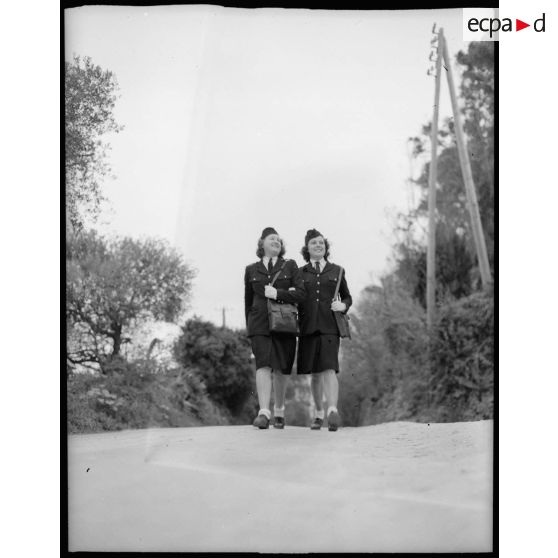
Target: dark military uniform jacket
column 256, row 278
column 315, row 312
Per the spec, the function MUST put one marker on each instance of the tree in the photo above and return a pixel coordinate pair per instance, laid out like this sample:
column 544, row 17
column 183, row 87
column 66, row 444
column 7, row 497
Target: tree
column 477, row 91
column 456, row 268
column 90, row 95
column 114, row 284
column 456, row 273
column 394, row 368
column 222, row 357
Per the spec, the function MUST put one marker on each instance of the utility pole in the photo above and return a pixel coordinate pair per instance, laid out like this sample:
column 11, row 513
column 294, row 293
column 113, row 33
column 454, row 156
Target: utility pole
column 223, row 310
column 431, row 250
column 476, row 225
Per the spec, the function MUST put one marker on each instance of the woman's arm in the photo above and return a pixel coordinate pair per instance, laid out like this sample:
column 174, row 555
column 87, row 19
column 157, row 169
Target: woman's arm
column 248, row 294
column 296, row 293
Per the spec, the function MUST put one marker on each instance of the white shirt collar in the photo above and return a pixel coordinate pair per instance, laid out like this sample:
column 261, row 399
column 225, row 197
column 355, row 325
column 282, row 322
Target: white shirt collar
column 321, row 261
column 265, row 260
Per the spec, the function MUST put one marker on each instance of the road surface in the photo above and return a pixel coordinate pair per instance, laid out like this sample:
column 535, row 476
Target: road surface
column 395, row 487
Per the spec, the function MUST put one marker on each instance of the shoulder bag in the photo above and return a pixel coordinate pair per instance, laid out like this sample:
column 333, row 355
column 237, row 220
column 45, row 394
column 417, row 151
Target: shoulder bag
column 341, row 318
column 283, row 317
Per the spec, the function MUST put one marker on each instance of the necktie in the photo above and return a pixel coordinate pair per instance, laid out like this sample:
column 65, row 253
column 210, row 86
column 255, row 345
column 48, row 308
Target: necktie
column 269, row 266
column 317, row 266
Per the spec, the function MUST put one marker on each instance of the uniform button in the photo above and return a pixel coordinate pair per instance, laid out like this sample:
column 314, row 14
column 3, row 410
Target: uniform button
column 317, row 300
column 318, row 291
column 318, row 282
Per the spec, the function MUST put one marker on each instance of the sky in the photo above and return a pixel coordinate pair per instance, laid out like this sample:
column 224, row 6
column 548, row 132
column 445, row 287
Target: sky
column 237, row 119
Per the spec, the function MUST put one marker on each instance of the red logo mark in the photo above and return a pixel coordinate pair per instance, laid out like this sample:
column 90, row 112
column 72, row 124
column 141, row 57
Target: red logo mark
column 519, row 25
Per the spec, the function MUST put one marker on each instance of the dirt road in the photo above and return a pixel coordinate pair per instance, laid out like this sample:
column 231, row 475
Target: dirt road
column 397, row 487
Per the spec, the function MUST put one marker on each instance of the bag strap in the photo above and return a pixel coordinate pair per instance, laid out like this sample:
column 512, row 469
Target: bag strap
column 279, row 272
column 338, row 283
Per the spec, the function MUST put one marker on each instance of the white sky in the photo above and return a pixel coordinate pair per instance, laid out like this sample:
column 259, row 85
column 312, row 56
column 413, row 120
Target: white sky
column 239, row 119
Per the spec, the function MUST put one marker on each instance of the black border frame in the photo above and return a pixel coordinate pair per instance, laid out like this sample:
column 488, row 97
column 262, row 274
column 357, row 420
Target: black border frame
column 383, row 5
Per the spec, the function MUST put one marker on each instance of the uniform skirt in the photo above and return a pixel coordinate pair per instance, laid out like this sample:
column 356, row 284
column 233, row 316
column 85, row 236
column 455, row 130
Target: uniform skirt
column 317, row 353
column 276, row 351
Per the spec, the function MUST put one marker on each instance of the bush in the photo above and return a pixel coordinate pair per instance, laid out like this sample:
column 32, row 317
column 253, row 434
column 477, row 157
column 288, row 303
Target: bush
column 392, row 369
column 463, row 358
column 139, row 395
column 223, row 358
column 382, row 366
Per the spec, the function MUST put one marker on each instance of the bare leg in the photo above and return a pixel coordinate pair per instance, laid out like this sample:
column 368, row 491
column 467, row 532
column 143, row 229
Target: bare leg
column 331, row 387
column 263, row 385
column 317, row 385
column 279, row 388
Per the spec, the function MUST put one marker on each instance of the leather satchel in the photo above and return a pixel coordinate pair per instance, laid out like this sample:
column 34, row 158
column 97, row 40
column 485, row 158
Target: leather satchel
column 341, row 318
column 283, row 317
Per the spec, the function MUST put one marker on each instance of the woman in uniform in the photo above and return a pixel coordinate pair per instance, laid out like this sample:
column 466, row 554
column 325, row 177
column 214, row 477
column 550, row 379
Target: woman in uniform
column 318, row 349
column 274, row 352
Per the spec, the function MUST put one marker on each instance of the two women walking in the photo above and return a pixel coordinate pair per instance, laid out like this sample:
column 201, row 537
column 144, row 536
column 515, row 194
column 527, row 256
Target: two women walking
column 313, row 289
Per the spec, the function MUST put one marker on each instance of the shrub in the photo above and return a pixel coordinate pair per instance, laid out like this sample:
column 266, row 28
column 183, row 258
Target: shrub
column 382, row 366
column 392, row 369
column 463, row 358
column 139, row 395
column 222, row 357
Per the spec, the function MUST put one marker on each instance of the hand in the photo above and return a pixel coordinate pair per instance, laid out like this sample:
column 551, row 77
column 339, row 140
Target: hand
column 338, row 306
column 270, row 292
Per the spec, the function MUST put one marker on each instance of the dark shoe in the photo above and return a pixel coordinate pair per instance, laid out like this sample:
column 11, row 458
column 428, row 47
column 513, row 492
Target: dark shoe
column 316, row 424
column 261, row 421
column 333, row 421
column 279, row 422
